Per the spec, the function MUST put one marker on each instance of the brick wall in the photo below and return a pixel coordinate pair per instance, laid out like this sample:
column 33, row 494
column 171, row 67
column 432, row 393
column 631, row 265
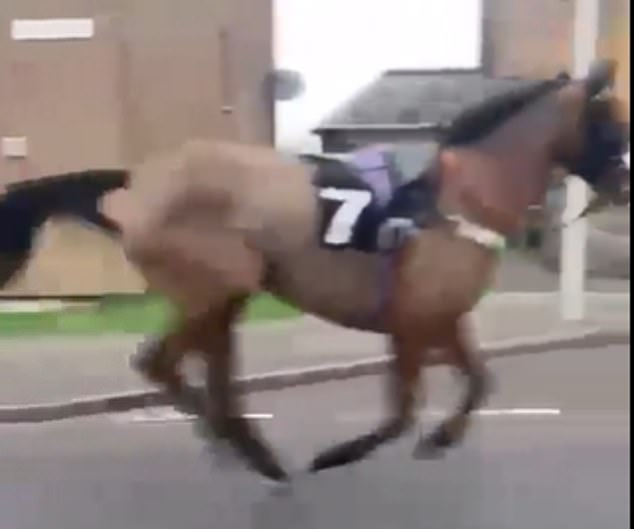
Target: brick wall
column 156, row 73
column 527, row 38
column 614, row 42
column 534, row 38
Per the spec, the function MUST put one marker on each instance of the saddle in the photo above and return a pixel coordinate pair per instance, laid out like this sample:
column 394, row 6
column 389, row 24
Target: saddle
column 365, row 202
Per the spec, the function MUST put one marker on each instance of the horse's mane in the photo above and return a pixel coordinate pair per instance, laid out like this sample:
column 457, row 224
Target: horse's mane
column 477, row 121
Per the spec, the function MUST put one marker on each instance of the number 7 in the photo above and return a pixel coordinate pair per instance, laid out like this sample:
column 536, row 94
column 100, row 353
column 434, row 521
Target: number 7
column 353, row 202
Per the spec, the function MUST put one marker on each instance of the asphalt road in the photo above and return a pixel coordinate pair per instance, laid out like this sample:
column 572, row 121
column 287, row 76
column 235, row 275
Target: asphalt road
column 551, row 452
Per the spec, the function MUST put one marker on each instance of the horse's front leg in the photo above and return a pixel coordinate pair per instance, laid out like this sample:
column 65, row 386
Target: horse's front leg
column 463, row 355
column 404, row 381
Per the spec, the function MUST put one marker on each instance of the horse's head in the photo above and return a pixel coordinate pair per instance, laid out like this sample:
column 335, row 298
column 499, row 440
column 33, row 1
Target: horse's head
column 597, row 136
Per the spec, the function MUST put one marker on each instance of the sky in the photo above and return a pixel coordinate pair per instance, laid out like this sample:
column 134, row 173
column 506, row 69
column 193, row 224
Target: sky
column 339, row 46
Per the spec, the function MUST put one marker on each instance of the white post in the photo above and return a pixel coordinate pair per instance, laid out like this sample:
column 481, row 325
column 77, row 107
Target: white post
column 574, row 237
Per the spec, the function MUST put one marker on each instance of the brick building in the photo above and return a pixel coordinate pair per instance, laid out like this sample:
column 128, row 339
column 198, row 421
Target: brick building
column 534, row 38
column 159, row 71
column 155, row 73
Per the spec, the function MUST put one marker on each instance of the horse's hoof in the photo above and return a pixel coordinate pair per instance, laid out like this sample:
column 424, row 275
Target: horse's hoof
column 278, row 488
column 321, row 463
column 219, row 451
column 427, row 450
column 141, row 359
column 137, row 361
column 273, row 473
column 222, row 455
column 201, row 429
column 330, row 460
column 342, row 455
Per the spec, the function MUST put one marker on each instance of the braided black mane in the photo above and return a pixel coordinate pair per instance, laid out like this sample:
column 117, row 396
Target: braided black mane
column 480, row 120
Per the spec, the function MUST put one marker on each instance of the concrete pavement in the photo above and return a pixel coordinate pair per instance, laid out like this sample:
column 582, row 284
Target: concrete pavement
column 526, row 272
column 569, row 469
column 55, row 371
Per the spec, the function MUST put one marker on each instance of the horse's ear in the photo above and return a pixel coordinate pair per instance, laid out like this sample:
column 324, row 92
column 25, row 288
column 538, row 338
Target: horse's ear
column 602, row 75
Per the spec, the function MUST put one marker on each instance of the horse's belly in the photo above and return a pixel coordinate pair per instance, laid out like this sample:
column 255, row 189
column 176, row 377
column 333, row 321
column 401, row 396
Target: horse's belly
column 346, row 287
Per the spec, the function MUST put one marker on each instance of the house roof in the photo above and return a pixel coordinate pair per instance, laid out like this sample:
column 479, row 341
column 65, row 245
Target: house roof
column 416, row 99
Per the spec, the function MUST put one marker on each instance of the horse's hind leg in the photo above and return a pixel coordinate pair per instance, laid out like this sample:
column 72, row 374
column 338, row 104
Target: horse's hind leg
column 225, row 409
column 405, row 376
column 464, row 357
column 194, row 270
column 158, row 360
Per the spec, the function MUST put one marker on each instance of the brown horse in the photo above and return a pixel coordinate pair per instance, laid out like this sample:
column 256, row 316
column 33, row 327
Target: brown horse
column 211, row 224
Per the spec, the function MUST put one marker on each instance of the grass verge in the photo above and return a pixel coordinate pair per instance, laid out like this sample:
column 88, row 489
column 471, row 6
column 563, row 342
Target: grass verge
column 122, row 314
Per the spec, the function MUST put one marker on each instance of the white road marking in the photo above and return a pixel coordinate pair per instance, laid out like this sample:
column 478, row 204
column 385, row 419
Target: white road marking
column 438, row 413
column 258, row 416
column 520, row 411
column 166, row 414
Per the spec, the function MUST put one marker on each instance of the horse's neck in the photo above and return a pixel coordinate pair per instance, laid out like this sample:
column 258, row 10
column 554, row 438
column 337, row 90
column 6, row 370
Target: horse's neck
column 510, row 170
column 496, row 186
column 525, row 166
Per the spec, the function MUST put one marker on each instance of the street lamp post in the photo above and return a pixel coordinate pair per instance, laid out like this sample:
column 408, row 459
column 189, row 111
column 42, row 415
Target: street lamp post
column 575, row 235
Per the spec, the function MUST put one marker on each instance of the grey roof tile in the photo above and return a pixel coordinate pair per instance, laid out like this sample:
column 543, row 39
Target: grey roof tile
column 424, row 98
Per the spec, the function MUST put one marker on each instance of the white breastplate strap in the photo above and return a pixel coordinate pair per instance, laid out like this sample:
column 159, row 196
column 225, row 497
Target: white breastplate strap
column 479, row 234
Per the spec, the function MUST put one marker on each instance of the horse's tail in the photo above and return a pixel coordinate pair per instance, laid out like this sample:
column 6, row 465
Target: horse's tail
column 25, row 206
column 74, row 194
